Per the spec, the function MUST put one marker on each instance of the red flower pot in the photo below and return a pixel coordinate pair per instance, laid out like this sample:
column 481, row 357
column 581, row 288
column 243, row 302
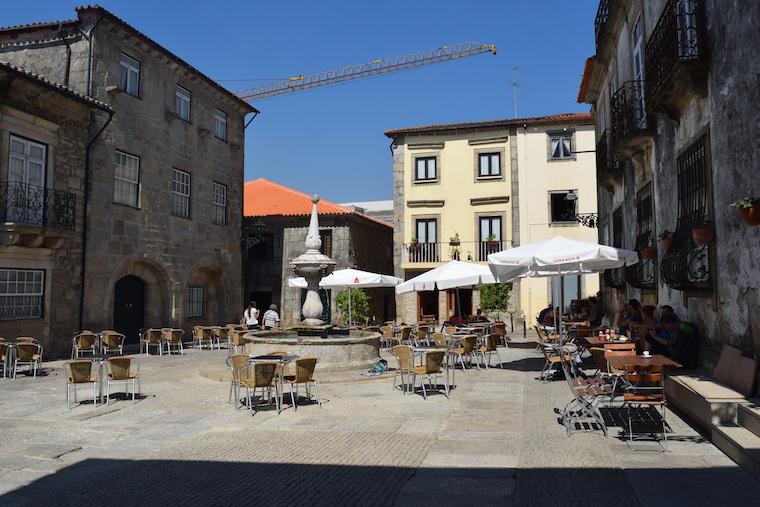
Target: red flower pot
column 751, row 216
column 666, row 244
column 648, row 252
column 702, row 235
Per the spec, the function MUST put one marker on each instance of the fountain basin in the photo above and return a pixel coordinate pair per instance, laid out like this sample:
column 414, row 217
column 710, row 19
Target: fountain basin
column 356, row 350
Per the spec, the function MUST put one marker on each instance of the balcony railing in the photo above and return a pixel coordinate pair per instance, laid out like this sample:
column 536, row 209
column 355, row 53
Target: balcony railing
column 614, row 278
column 629, row 118
column 677, row 58
column 477, row 251
column 607, row 164
column 602, row 16
column 642, row 275
column 21, row 203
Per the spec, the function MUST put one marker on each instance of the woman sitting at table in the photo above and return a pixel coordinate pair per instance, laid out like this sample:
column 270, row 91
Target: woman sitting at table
column 630, row 313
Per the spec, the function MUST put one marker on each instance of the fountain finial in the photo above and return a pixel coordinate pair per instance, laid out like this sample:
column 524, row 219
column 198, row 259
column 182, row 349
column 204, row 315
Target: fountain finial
column 313, row 241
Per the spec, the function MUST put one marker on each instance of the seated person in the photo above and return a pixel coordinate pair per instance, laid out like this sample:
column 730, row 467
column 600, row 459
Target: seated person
column 674, row 340
column 546, row 317
column 456, row 320
column 648, row 321
column 630, row 313
column 594, row 315
column 479, row 317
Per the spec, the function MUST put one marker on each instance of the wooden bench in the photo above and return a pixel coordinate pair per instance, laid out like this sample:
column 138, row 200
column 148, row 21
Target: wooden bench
column 714, row 401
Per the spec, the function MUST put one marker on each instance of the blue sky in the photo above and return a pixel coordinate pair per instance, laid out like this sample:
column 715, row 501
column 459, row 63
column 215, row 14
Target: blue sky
column 330, row 140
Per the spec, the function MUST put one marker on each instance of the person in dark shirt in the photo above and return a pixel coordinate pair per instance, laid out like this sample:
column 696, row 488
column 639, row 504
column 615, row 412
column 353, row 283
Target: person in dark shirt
column 631, row 313
column 675, row 340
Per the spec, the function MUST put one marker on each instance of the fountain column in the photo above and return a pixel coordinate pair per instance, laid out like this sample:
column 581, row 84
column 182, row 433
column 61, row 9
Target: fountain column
column 312, row 265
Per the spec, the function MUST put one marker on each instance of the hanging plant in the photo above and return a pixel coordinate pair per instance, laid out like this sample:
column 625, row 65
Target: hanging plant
column 454, row 240
column 648, row 252
column 749, row 210
column 666, row 238
column 702, row 233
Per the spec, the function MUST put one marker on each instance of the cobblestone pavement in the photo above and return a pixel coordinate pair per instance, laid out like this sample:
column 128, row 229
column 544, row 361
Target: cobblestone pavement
column 496, row 440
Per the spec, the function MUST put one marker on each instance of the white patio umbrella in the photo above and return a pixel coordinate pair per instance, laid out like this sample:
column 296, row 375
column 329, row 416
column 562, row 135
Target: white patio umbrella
column 558, row 256
column 453, row 274
column 350, row 278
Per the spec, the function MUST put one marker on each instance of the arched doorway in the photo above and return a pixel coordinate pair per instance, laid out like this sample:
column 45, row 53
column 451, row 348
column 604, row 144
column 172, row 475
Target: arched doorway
column 129, row 307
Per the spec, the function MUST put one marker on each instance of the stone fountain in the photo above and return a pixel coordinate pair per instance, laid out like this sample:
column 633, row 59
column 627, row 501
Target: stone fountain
column 337, row 349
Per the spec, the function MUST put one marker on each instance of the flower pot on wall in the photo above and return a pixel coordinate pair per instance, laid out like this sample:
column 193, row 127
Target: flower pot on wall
column 702, row 235
column 666, row 244
column 751, row 215
column 648, row 252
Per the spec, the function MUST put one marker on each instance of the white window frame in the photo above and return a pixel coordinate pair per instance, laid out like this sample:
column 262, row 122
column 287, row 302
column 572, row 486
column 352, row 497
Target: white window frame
column 181, row 193
column 220, row 124
column 122, row 176
column 566, row 152
column 428, row 161
column 129, row 75
column 183, row 101
column 196, row 302
column 219, row 203
column 488, row 157
column 22, row 299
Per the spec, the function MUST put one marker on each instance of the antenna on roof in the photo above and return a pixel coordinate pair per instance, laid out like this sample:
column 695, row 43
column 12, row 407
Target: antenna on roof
column 515, row 85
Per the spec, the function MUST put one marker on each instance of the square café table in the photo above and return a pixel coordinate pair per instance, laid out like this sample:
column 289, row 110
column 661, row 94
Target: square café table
column 620, row 362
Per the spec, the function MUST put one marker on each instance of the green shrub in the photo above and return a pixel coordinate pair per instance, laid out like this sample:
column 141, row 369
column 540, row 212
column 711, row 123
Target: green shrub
column 359, row 305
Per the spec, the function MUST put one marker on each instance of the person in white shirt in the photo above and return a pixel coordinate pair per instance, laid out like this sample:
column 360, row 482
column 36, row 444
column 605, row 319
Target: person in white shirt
column 251, row 316
column 271, row 318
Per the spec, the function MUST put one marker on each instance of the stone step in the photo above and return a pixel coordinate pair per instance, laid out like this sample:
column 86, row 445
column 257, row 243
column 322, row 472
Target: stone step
column 749, row 416
column 739, row 444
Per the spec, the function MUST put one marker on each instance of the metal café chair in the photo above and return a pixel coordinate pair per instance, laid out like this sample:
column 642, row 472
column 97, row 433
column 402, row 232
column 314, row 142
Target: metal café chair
column 259, row 375
column 84, row 342
column 173, row 337
column 304, row 375
column 203, row 335
column 120, row 370
column 432, row 367
column 404, row 355
column 111, row 341
column 79, row 372
column 150, row 337
column 27, row 354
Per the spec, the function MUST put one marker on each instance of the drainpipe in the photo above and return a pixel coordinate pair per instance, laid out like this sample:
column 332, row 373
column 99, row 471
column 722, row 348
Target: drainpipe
column 89, row 37
column 84, row 217
column 243, row 303
column 68, row 54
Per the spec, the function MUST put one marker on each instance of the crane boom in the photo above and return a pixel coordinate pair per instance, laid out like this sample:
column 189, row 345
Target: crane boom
column 373, row 68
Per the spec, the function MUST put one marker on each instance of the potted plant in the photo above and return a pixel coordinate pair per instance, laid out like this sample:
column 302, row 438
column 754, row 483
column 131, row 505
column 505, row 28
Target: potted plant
column 455, row 253
column 414, row 244
column 666, row 237
column 491, row 241
column 702, row 232
column 648, row 252
column 749, row 209
column 454, row 240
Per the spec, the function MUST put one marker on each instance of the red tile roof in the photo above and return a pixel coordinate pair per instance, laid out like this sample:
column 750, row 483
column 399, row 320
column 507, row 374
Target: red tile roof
column 587, row 70
column 577, row 118
column 262, row 197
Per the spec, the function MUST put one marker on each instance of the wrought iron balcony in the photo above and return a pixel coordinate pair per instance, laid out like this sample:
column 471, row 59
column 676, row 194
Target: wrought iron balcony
column 21, row 203
column 677, row 57
column 478, row 251
column 600, row 22
column 642, row 275
column 607, row 164
column 630, row 125
column 614, row 278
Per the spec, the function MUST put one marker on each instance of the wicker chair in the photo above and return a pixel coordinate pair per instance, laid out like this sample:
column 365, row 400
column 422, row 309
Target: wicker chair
column 406, row 333
column 259, row 376
column 85, row 341
column 4, row 355
column 238, row 341
column 202, row 335
column 222, row 335
column 26, row 339
column 440, row 340
column 29, row 354
column 467, row 348
column 80, row 372
column 488, row 349
column 237, row 363
column 173, row 337
column 423, row 335
column 500, row 330
column 389, row 340
column 111, row 341
column 431, row 368
column 304, row 374
column 404, row 355
column 150, row 337
column 121, row 369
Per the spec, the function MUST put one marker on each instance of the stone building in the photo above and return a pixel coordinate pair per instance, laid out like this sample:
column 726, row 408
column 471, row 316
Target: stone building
column 275, row 225
column 465, row 190
column 673, row 88
column 162, row 185
column 381, row 210
column 43, row 144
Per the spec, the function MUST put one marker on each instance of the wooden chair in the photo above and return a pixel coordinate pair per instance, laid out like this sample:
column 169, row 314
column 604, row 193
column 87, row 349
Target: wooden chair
column 259, row 376
column 86, row 341
column 552, row 359
column 150, row 337
column 304, row 375
column 404, row 355
column 467, row 348
column 121, row 370
column 80, row 372
column 618, row 349
column 111, row 341
column 431, row 368
column 644, row 388
column 29, row 354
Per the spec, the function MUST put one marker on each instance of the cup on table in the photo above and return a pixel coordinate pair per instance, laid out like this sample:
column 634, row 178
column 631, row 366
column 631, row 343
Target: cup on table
column 647, row 354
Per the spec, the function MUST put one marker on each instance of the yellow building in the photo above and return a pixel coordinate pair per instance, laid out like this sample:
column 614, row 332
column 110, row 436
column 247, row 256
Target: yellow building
column 464, row 190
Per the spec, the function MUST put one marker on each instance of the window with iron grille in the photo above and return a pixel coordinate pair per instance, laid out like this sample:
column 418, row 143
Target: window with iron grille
column 129, row 75
column 126, row 179
column 182, row 102
column 642, row 274
column 220, row 204
column 22, row 292
column 616, row 277
column 686, row 265
column 181, row 194
column 220, row 124
column 196, row 301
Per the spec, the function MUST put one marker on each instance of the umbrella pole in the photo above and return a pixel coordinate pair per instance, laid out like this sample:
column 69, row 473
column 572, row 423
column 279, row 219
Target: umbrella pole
column 459, row 305
column 349, row 307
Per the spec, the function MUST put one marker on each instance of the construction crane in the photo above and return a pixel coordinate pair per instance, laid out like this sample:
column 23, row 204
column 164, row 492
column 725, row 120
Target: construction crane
column 373, row 68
